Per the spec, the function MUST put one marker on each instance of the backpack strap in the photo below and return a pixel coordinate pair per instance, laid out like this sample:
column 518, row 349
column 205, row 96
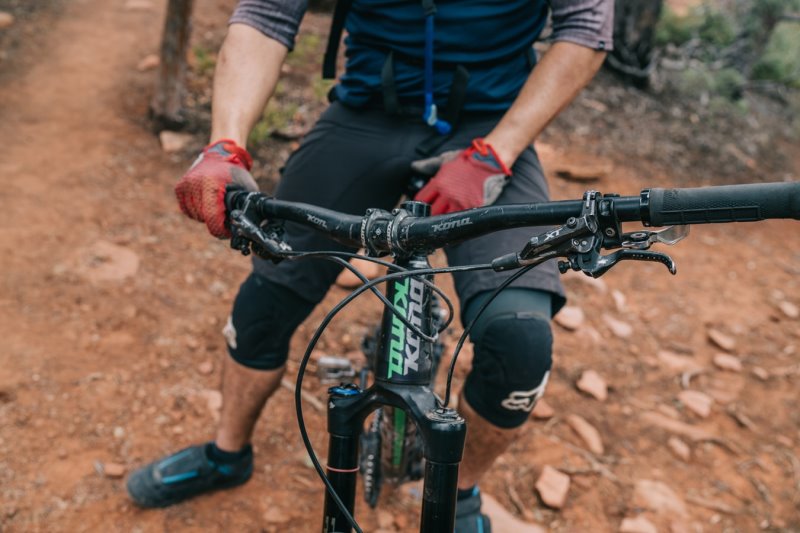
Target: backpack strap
column 334, row 38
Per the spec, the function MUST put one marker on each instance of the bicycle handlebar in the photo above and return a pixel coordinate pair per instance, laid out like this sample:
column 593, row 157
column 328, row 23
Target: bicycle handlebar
column 726, row 203
column 382, row 232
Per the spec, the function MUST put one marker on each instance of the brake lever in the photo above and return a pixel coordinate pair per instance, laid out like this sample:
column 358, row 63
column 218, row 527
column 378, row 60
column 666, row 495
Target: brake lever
column 265, row 242
column 595, row 265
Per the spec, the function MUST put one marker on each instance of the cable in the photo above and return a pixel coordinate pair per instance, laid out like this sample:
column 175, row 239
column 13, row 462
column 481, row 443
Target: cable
column 312, row 344
column 336, row 257
column 469, row 327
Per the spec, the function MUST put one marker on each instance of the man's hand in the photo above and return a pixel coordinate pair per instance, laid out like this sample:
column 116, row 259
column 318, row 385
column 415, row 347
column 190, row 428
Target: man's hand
column 201, row 191
column 464, row 179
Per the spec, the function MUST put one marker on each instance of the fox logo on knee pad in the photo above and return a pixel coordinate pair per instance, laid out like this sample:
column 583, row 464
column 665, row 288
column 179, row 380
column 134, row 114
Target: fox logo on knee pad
column 525, row 400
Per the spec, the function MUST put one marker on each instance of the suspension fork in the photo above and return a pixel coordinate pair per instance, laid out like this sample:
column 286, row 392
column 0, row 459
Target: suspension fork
column 442, row 431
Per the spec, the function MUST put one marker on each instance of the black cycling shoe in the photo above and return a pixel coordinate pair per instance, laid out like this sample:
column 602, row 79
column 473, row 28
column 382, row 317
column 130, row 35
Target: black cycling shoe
column 468, row 515
column 185, row 474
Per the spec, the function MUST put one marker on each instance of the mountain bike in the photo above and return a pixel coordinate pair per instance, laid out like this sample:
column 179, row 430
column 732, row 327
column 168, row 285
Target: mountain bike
column 582, row 230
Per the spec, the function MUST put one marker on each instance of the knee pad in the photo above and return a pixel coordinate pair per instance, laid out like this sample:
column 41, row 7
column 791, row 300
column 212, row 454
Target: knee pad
column 264, row 317
column 513, row 356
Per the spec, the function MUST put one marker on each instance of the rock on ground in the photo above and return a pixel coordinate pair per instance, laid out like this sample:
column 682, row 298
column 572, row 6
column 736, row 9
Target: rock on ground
column 570, row 317
column 697, row 402
column 789, row 309
column 659, row 497
column 721, row 340
column 542, row 410
column 6, row 20
column 728, row 362
column 679, row 448
column 148, row 62
column 553, row 486
column 620, row 329
column 587, row 432
column 639, row 524
column 593, row 384
column 173, row 141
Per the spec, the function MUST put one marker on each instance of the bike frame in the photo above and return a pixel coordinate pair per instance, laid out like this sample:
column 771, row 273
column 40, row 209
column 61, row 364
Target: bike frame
column 402, row 377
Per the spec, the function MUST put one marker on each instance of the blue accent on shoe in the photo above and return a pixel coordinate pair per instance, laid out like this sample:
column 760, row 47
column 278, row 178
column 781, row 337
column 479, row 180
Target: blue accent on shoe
column 179, row 477
column 177, row 457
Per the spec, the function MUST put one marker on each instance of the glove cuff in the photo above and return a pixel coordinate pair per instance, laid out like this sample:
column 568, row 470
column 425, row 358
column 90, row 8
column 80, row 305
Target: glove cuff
column 230, row 152
column 486, row 153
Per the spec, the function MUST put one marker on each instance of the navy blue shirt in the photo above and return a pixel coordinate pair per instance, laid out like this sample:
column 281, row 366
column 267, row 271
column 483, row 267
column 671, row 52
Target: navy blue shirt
column 489, row 37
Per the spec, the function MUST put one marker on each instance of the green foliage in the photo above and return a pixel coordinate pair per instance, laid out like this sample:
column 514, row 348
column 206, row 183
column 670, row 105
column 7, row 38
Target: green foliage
column 729, row 83
column 717, row 28
column 764, row 15
column 780, row 61
column 307, row 49
column 204, row 60
column 696, row 81
column 676, row 29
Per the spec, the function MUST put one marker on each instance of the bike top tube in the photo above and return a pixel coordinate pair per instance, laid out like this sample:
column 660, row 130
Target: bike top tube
column 382, row 232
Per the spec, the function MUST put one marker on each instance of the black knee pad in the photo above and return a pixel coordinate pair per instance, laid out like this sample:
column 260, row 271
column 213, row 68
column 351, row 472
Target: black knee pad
column 262, row 322
column 513, row 356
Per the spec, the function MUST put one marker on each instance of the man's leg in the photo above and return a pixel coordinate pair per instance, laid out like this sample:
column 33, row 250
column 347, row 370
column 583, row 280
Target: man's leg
column 511, row 364
column 244, row 393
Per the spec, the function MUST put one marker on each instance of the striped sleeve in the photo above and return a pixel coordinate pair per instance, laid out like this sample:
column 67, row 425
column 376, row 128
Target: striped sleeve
column 586, row 22
column 278, row 19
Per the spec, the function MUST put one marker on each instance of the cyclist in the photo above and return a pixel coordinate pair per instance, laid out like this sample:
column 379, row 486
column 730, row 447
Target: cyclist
column 406, row 62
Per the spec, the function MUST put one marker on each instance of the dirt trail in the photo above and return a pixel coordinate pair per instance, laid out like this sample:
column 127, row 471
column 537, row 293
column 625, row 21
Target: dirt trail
column 111, row 305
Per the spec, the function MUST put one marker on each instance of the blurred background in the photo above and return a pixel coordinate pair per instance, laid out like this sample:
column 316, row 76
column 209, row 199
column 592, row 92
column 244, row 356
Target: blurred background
column 673, row 400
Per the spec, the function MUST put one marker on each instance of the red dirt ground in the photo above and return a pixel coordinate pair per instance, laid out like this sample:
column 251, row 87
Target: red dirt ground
column 111, row 307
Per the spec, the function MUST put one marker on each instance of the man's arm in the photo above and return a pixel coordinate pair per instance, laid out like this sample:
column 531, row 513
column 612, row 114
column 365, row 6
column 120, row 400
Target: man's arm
column 248, row 68
column 563, row 71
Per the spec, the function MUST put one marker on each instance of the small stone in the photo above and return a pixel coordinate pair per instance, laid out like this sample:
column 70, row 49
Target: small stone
column 669, row 411
column 697, row 402
column 119, row 432
column 620, row 329
column 587, row 432
column 658, row 497
column 385, row 519
column 172, row 141
column 728, row 362
column 570, row 317
column 553, row 486
column 113, row 470
column 401, row 521
column 138, row 5
column 205, row 368
column 213, row 400
column 789, row 309
column 639, row 524
column 677, row 363
column 760, row 373
column 543, row 411
column 619, row 300
column 275, row 515
column 148, row 62
column 679, row 448
column 721, row 340
column 593, row 384
column 6, row 20
column 192, row 343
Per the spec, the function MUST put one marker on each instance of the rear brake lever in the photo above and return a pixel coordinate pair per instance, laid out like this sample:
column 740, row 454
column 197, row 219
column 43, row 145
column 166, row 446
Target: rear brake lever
column 595, row 265
column 246, row 236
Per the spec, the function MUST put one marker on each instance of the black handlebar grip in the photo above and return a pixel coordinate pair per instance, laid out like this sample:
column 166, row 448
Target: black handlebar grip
column 725, row 203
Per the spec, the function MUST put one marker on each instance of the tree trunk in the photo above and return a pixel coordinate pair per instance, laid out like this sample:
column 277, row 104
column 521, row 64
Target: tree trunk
column 167, row 105
column 634, row 38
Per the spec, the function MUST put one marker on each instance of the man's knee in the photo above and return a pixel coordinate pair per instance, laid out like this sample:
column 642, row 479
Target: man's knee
column 513, row 356
column 264, row 317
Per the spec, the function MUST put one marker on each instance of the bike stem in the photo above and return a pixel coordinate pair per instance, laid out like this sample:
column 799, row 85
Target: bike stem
column 402, row 378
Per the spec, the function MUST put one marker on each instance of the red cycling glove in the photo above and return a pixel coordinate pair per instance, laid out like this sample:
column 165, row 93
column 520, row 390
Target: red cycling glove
column 201, row 191
column 464, row 179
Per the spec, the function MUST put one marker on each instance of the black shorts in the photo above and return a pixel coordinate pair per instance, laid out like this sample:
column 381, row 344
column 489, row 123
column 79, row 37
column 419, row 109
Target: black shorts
column 354, row 159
